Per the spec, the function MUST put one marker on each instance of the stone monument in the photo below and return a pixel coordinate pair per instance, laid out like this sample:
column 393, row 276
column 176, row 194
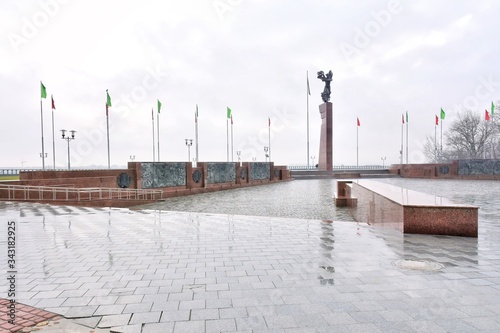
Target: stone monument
column 325, row 157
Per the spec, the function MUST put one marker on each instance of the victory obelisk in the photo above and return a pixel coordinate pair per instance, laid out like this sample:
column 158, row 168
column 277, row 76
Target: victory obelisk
column 325, row 157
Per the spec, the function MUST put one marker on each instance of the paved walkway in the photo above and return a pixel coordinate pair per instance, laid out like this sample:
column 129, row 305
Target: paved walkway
column 146, row 271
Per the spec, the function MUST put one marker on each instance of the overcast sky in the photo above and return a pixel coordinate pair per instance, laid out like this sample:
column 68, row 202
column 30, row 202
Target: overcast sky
column 387, row 57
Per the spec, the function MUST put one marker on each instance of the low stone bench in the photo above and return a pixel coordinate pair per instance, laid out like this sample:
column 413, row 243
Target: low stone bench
column 412, row 212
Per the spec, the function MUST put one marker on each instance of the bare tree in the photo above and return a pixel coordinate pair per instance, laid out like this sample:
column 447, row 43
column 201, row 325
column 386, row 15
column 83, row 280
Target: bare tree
column 469, row 136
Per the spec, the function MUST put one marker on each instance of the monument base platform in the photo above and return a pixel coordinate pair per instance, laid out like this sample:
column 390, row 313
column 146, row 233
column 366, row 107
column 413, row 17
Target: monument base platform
column 409, row 211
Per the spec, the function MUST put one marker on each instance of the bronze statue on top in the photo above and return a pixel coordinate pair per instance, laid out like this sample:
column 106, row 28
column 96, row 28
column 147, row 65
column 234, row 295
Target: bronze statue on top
column 325, row 95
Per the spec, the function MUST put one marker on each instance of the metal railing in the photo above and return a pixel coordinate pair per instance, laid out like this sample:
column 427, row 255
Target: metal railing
column 340, row 167
column 53, row 193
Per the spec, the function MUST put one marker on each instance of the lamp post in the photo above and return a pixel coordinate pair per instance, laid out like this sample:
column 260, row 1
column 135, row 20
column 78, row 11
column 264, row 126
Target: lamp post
column 189, row 143
column 383, row 162
column 68, row 138
column 238, row 152
column 132, row 157
column 43, row 155
column 266, row 149
column 312, row 158
column 254, row 159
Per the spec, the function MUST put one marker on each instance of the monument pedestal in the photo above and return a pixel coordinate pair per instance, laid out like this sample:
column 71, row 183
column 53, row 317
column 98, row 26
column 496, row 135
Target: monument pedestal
column 325, row 158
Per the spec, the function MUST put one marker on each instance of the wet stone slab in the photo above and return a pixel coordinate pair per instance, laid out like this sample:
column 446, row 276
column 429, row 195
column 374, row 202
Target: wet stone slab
column 156, row 270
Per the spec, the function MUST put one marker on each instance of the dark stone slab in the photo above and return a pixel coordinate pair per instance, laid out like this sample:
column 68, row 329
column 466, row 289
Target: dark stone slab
column 221, row 172
column 260, row 170
column 479, row 167
column 163, row 174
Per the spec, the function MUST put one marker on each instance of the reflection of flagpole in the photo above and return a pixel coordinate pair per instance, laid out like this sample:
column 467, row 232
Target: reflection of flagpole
column 53, row 135
column 153, row 127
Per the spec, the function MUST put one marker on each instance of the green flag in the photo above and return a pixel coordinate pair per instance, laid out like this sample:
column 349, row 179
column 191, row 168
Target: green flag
column 228, row 113
column 443, row 114
column 44, row 91
column 492, row 108
column 108, row 101
column 159, row 106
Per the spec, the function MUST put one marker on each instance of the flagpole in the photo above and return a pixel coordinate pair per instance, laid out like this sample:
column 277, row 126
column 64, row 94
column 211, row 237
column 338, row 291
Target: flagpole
column 153, row 127
column 435, row 142
column 107, row 127
column 227, row 138
column 53, row 135
column 158, row 133
column 307, row 98
column 196, row 133
column 441, row 154
column 232, row 140
column 357, row 145
column 43, row 149
column 401, row 152
column 407, row 137
column 269, row 138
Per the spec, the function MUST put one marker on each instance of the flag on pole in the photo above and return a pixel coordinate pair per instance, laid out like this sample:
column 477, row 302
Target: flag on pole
column 358, row 123
column 443, row 114
column 159, row 106
column 437, row 120
column 231, row 119
column 228, row 113
column 486, row 115
column 492, row 108
column 402, row 118
column 108, row 99
column 308, row 89
column 53, row 105
column 407, row 117
column 43, row 90
column 106, row 109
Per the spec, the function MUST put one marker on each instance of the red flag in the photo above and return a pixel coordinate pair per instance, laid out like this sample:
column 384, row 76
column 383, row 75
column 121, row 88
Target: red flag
column 359, row 124
column 106, row 109
column 53, row 105
column 403, row 118
column 437, row 120
column 486, row 115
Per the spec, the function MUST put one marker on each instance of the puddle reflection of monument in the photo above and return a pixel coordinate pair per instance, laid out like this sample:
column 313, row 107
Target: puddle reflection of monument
column 325, row 158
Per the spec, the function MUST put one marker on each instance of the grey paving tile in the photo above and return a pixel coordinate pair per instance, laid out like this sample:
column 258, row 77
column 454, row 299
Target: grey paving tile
column 175, row 315
column 103, row 310
column 158, row 328
column 189, row 327
column 145, row 317
column 220, row 325
column 137, row 307
column 114, row 320
column 81, row 311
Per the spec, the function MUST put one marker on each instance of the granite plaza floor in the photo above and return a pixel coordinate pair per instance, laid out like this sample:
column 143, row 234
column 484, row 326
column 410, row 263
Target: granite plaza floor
column 159, row 271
